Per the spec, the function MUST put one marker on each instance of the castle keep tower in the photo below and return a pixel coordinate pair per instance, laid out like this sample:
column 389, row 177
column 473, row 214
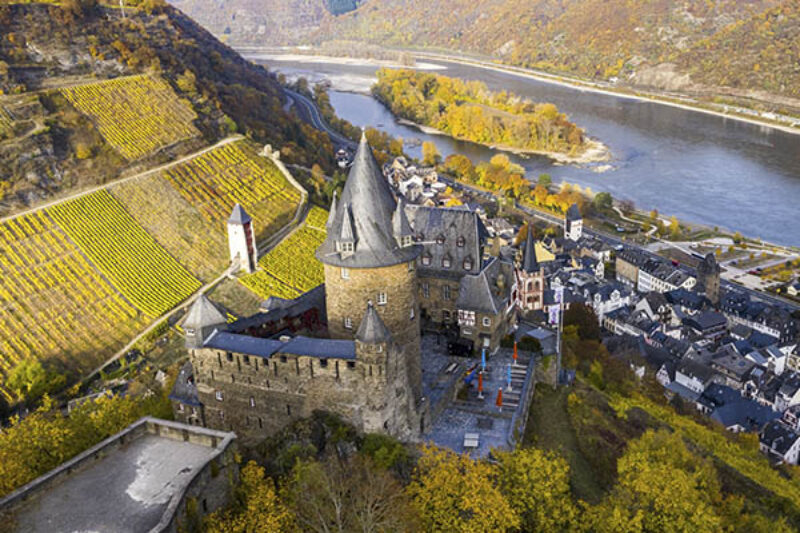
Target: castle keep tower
column 242, row 240
column 370, row 255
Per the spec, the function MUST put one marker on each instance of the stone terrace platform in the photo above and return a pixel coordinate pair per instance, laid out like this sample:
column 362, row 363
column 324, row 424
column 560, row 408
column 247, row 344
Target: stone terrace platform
column 456, row 418
column 134, row 481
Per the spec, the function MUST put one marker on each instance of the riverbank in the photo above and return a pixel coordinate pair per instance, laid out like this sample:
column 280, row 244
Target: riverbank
column 256, row 55
column 669, row 99
column 595, row 152
column 683, row 101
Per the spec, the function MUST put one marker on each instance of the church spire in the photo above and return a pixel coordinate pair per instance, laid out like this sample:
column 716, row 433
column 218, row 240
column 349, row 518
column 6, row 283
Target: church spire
column 332, row 212
column 529, row 262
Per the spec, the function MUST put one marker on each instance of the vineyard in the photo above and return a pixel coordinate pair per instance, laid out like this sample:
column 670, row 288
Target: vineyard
column 234, row 173
column 291, row 268
column 6, row 123
column 137, row 115
column 127, row 255
column 53, row 302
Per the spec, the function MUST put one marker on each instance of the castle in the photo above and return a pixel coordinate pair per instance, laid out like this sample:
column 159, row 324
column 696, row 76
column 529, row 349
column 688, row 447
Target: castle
column 352, row 346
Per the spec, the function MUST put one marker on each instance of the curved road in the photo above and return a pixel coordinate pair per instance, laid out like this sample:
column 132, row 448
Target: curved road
column 309, row 112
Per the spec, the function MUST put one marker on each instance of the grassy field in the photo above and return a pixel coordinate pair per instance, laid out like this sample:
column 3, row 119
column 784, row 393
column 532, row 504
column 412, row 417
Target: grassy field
column 549, row 428
column 137, row 115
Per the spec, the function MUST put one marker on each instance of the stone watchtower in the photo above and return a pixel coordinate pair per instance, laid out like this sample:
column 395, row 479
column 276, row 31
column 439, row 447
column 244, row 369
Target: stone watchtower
column 573, row 223
column 369, row 255
column 201, row 321
column 530, row 277
column 708, row 274
column 242, row 240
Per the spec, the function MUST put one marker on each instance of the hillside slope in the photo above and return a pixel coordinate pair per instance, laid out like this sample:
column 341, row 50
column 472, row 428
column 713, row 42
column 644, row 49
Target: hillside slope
column 50, row 63
column 694, row 46
column 262, row 22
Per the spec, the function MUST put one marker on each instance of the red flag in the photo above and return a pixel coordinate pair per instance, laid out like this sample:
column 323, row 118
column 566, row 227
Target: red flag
column 500, row 397
column 515, row 351
column 480, row 381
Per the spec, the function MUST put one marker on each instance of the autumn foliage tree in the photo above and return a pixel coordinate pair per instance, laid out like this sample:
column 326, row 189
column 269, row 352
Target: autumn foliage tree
column 453, row 493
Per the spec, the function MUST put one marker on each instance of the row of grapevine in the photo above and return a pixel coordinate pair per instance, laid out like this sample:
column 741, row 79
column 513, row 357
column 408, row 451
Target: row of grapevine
column 317, row 218
column 234, row 173
column 6, row 122
column 137, row 115
column 291, row 267
column 53, row 302
column 126, row 254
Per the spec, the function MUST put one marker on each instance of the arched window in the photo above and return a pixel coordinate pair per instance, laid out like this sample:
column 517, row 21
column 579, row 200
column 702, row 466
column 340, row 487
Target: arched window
column 446, row 262
column 468, row 263
column 440, row 239
column 426, row 259
column 460, row 242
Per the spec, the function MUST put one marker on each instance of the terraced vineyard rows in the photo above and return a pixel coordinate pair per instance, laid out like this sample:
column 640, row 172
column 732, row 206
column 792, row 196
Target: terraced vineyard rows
column 128, row 256
column 217, row 180
column 6, row 123
column 53, row 302
column 291, row 268
column 137, row 115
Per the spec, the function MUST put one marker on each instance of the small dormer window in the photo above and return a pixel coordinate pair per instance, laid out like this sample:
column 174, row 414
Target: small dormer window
column 440, row 240
column 446, row 261
column 426, row 259
column 420, row 237
column 468, row 263
column 346, row 247
column 460, row 242
column 408, row 240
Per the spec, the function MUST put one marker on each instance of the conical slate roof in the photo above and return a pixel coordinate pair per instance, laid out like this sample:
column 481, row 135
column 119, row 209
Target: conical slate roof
column 573, row 213
column 400, row 224
column 529, row 262
column 203, row 314
column 239, row 215
column 332, row 212
column 372, row 329
column 371, row 205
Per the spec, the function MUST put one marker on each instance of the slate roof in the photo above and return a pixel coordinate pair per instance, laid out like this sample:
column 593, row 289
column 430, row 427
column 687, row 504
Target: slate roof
column 364, row 213
column 372, row 330
column 573, row 213
column 479, row 292
column 707, row 320
column 777, row 437
column 730, row 408
column 266, row 348
column 203, row 314
column 184, row 390
column 239, row 215
column 432, row 225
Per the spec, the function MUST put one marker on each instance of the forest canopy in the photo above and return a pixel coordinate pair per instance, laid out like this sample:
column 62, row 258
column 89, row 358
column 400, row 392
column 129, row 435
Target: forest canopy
column 468, row 110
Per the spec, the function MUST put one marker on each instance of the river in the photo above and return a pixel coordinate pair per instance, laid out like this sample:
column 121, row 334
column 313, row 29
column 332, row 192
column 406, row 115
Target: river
column 703, row 168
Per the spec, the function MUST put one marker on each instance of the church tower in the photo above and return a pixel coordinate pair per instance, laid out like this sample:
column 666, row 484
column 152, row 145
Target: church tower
column 242, row 240
column 369, row 255
column 530, row 277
